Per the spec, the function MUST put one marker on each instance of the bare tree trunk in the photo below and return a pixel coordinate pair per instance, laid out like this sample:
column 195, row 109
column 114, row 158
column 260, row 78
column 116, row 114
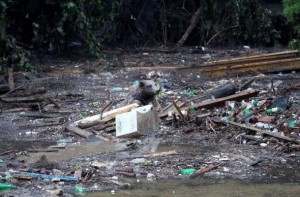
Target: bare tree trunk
column 11, row 79
column 194, row 21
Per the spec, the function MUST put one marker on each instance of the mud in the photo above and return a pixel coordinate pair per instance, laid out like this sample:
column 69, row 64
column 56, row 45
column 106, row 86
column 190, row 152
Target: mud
column 81, row 87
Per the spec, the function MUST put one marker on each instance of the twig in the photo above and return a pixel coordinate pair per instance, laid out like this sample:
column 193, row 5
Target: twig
column 7, row 152
column 178, row 109
column 220, row 33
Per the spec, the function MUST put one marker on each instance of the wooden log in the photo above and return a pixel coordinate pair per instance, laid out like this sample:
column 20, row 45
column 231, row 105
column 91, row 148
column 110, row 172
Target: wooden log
column 110, row 114
column 80, row 132
column 219, row 92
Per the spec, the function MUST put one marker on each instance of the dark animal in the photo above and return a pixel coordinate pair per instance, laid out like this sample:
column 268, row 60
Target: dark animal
column 143, row 93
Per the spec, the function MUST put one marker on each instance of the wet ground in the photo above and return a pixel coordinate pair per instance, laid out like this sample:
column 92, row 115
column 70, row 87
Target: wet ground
column 73, row 89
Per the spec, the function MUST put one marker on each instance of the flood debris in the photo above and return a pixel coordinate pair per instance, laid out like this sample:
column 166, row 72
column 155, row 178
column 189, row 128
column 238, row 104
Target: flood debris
column 241, row 127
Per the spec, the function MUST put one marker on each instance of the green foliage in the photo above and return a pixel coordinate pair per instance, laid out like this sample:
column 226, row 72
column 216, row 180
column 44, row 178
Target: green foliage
column 66, row 21
column 292, row 12
column 254, row 22
column 12, row 55
column 222, row 22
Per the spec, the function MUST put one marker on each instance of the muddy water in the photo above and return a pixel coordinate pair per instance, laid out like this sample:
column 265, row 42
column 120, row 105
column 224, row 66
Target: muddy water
column 6, row 145
column 206, row 188
column 77, row 150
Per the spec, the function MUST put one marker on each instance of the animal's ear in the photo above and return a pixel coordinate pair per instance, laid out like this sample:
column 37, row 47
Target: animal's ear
column 141, row 84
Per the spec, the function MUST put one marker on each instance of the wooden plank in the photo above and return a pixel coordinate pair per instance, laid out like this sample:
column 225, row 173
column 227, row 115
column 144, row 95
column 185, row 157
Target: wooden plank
column 275, row 62
column 255, row 58
column 221, row 101
column 89, row 120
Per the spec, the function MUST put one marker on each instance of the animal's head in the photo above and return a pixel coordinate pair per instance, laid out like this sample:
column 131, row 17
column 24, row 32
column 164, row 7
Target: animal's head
column 149, row 87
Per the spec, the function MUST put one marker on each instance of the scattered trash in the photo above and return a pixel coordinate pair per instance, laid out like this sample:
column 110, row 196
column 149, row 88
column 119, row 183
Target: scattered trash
column 79, row 190
column 187, row 171
column 4, row 186
column 45, row 176
column 274, row 110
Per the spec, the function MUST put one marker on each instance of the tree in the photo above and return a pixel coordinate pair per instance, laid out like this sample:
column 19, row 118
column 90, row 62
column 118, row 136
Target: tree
column 292, row 12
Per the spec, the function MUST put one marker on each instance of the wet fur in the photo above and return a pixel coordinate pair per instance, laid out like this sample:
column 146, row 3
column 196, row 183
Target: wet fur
column 144, row 93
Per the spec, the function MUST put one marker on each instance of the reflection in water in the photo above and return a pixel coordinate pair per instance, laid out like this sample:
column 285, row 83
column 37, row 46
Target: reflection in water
column 78, row 150
column 205, row 188
column 6, row 145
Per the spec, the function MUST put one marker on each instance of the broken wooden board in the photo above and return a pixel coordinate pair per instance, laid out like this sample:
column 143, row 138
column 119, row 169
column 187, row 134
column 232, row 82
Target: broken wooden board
column 89, row 120
column 221, row 101
column 276, row 62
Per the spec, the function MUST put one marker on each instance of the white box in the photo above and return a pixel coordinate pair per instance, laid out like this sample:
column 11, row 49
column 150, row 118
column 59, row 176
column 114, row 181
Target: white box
column 139, row 121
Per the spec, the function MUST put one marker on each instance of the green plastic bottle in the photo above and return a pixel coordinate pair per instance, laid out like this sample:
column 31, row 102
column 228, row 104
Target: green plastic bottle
column 274, row 110
column 4, row 186
column 188, row 171
column 79, row 190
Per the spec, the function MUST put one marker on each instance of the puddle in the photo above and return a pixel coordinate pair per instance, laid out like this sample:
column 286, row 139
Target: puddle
column 6, row 145
column 203, row 187
column 77, row 150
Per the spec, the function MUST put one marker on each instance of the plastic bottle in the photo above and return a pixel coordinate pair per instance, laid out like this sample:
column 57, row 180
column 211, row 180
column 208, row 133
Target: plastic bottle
column 294, row 123
column 79, row 190
column 7, row 186
column 255, row 103
column 188, row 171
column 116, row 89
column 274, row 110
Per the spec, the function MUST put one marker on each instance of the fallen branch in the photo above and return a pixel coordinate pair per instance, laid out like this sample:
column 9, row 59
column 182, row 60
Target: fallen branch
column 276, row 135
column 203, row 171
column 104, row 126
column 36, row 98
column 37, row 116
column 42, row 150
column 194, row 21
column 7, row 152
column 218, row 33
column 178, row 110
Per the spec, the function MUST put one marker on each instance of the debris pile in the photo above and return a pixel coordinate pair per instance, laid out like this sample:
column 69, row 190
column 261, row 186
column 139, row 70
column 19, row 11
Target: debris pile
column 260, row 113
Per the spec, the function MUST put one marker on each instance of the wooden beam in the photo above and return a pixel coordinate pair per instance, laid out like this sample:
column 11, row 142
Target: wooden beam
column 275, row 62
